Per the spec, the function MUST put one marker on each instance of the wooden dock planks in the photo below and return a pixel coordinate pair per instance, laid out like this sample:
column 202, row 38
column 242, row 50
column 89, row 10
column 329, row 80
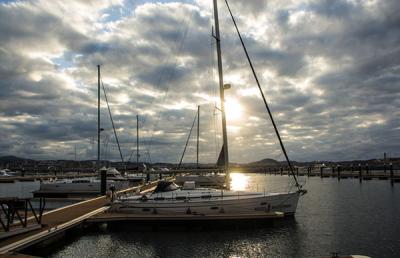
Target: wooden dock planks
column 60, row 219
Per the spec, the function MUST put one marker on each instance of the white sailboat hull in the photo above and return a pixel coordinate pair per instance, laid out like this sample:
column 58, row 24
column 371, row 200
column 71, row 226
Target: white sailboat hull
column 240, row 204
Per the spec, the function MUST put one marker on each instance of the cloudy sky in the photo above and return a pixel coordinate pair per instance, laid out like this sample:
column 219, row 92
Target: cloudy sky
column 330, row 71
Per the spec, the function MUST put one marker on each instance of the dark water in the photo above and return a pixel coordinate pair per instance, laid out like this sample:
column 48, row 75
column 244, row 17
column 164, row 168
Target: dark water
column 345, row 217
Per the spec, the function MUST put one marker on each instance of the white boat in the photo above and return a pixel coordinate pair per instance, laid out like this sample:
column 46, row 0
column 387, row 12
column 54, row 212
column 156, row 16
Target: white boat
column 4, row 173
column 88, row 185
column 7, row 173
column 169, row 199
column 145, row 174
column 136, row 177
column 113, row 174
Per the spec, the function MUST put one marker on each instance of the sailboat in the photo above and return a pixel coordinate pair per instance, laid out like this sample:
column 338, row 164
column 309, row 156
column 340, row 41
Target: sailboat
column 88, row 186
column 200, row 178
column 138, row 176
column 167, row 198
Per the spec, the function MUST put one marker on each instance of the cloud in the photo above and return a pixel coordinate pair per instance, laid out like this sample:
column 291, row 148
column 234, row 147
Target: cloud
column 329, row 71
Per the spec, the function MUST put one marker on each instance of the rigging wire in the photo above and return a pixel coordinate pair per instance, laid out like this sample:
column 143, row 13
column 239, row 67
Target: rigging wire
column 167, row 91
column 187, row 141
column 112, row 122
column 130, row 156
column 104, row 148
column 264, row 99
column 178, row 46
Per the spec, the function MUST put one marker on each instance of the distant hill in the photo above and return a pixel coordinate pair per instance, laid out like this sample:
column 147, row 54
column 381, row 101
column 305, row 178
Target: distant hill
column 265, row 163
column 11, row 159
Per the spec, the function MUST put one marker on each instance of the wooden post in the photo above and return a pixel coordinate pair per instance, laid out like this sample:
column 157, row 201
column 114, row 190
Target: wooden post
column 198, row 137
column 367, row 169
column 281, row 171
column 137, row 143
column 338, row 171
column 333, row 170
column 297, row 171
column 308, row 171
column 359, row 172
column 391, row 171
column 98, row 117
column 384, row 168
column 103, row 182
column 322, row 171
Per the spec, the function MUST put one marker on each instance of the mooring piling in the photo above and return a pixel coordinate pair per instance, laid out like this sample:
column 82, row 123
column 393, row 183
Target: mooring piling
column 391, row 171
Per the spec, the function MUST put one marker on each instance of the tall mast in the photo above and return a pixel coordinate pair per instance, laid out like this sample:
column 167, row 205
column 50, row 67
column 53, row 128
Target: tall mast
column 221, row 89
column 198, row 135
column 98, row 116
column 137, row 141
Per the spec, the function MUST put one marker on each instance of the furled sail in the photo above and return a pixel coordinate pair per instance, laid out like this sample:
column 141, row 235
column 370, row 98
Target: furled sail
column 221, row 158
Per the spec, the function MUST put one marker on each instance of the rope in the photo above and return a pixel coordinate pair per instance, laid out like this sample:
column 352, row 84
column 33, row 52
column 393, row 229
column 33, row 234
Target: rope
column 263, row 97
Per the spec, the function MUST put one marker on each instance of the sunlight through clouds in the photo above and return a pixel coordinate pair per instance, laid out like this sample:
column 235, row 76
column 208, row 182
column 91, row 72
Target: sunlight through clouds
column 328, row 86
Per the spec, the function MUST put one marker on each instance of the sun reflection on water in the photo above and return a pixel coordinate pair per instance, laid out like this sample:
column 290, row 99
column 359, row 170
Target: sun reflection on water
column 239, row 181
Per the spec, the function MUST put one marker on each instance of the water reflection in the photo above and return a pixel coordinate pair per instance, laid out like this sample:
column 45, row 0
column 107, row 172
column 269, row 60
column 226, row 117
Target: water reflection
column 238, row 181
column 319, row 228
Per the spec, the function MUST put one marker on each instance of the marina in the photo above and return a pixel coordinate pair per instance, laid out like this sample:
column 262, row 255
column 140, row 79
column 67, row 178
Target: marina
column 336, row 172
column 317, row 229
column 217, row 128
column 53, row 223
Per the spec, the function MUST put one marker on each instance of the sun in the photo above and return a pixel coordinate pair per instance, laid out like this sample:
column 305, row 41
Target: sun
column 233, row 109
column 239, row 181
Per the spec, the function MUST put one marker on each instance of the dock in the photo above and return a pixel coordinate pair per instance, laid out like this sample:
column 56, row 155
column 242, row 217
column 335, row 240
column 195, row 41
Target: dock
column 338, row 172
column 42, row 177
column 57, row 221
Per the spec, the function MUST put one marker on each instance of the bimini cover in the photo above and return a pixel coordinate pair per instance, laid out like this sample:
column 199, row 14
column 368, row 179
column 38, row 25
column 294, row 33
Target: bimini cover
column 189, row 185
column 165, row 186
